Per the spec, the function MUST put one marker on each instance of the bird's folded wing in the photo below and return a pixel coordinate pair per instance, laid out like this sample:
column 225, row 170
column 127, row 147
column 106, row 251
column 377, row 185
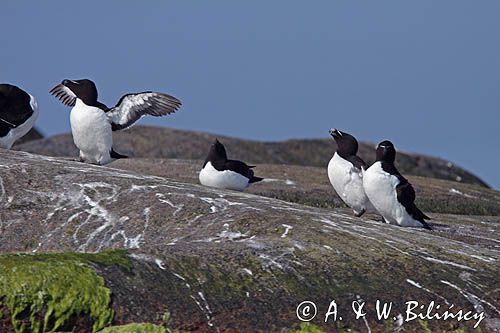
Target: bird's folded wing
column 406, row 195
column 14, row 114
column 64, row 94
column 132, row 107
column 239, row 167
column 405, row 192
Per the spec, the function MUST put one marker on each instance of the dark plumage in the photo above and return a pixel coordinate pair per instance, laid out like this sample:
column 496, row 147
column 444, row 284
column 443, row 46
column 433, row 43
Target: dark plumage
column 18, row 112
column 15, row 107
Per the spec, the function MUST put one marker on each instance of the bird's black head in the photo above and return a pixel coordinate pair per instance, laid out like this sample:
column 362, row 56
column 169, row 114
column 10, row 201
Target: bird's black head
column 386, row 152
column 69, row 90
column 217, row 153
column 347, row 145
column 83, row 89
column 13, row 95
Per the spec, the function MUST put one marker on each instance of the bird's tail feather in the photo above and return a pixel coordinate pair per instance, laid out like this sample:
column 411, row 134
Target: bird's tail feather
column 116, row 155
column 255, row 179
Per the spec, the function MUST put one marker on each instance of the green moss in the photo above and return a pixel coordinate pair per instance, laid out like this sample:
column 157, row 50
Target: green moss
column 134, row 328
column 424, row 326
column 50, row 292
column 106, row 258
column 309, row 328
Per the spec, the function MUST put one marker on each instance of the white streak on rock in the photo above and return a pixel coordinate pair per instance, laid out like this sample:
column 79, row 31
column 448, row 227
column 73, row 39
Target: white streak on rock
column 446, row 262
column 287, row 228
column 160, row 264
column 457, row 192
column 270, row 261
column 473, row 299
column 179, row 276
column 178, row 207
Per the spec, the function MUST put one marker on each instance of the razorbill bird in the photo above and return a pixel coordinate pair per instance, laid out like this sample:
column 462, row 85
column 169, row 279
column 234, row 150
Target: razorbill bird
column 345, row 173
column 391, row 193
column 220, row 172
column 18, row 113
column 92, row 122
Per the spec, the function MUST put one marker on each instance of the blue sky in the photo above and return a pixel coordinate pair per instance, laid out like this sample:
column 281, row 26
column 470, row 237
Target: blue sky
column 423, row 74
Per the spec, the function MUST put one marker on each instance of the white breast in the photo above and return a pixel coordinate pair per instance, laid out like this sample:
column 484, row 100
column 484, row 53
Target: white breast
column 209, row 176
column 380, row 187
column 20, row 131
column 348, row 183
column 91, row 132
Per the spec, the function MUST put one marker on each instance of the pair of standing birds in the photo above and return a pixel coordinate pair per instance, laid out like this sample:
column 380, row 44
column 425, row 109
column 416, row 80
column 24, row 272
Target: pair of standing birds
column 379, row 188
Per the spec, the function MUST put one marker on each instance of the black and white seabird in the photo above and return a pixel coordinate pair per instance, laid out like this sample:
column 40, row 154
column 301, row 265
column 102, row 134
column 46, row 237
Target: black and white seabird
column 18, row 113
column 345, row 173
column 220, row 172
column 92, row 122
column 390, row 192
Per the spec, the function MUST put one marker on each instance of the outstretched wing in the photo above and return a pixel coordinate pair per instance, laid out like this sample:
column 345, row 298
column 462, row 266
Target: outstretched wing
column 64, row 94
column 132, row 107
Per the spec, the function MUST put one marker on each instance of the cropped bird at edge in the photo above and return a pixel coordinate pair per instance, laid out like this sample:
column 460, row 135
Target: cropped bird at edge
column 345, row 173
column 220, row 172
column 391, row 193
column 92, row 122
column 18, row 113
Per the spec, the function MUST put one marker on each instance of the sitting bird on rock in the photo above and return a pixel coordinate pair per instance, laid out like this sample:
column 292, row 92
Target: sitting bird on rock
column 220, row 172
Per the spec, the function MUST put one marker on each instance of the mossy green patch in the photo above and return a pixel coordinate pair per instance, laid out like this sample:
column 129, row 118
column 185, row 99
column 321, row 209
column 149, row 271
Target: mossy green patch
column 309, row 328
column 113, row 257
column 50, row 292
column 134, row 328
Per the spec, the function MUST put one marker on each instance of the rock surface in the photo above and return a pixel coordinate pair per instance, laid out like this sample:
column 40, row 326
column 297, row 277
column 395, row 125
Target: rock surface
column 183, row 144
column 200, row 259
column 310, row 186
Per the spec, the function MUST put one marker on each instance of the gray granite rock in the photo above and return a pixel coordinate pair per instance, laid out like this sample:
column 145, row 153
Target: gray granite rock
column 228, row 261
